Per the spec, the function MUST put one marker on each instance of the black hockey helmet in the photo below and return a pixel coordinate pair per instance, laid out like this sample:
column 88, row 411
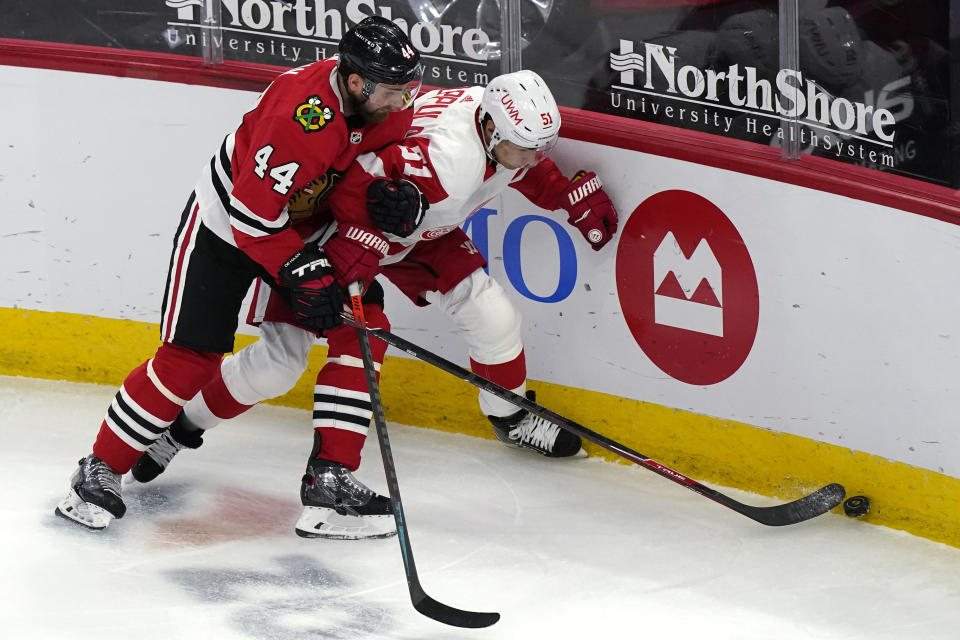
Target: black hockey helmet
column 380, row 52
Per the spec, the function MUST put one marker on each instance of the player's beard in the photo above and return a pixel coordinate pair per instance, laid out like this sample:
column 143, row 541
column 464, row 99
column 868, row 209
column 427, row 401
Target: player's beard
column 361, row 106
column 374, row 116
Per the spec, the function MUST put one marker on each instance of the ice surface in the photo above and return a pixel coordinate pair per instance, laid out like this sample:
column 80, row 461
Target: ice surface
column 562, row 549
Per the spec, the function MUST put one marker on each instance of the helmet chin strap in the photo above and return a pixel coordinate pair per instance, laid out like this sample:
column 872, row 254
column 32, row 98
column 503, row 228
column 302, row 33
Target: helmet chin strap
column 491, row 143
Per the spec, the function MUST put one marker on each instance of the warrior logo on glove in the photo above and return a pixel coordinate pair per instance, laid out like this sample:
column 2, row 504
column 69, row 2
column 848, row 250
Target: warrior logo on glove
column 583, row 188
column 367, row 238
column 355, row 252
column 591, row 211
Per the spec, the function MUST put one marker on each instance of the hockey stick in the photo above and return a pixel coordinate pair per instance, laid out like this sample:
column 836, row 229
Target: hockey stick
column 421, row 601
column 805, row 508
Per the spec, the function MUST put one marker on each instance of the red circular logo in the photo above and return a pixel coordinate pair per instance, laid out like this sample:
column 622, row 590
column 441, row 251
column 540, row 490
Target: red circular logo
column 437, row 232
column 687, row 287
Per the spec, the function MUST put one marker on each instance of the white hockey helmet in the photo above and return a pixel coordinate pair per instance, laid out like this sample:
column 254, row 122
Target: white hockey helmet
column 523, row 111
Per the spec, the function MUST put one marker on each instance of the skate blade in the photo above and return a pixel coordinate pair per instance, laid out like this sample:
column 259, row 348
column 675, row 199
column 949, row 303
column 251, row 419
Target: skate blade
column 514, row 444
column 321, row 522
column 129, row 480
column 74, row 509
column 579, row 455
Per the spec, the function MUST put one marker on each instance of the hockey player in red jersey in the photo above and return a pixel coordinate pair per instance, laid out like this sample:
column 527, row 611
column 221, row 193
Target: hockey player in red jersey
column 465, row 146
column 311, row 121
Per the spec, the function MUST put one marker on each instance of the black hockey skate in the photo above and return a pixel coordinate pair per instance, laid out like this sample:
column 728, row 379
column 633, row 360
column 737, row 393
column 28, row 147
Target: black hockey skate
column 157, row 458
column 337, row 505
column 527, row 431
column 94, row 499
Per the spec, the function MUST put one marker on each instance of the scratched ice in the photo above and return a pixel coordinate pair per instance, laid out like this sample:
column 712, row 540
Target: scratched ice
column 562, row 549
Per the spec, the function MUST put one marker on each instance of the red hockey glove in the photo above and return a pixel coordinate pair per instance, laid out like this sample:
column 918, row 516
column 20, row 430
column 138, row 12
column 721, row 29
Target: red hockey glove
column 355, row 252
column 314, row 295
column 396, row 206
column 590, row 209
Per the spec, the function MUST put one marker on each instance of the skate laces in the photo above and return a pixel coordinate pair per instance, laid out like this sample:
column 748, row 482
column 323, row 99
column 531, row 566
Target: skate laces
column 534, row 430
column 346, row 481
column 103, row 475
column 163, row 449
column 339, row 485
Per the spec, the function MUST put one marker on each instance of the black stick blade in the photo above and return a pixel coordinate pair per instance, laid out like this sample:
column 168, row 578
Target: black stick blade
column 805, row 508
column 454, row 617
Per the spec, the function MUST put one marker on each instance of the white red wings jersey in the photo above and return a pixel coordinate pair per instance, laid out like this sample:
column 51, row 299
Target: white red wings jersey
column 444, row 155
column 295, row 133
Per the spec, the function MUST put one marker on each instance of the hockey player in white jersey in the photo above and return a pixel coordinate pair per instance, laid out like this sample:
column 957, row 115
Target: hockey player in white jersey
column 465, row 146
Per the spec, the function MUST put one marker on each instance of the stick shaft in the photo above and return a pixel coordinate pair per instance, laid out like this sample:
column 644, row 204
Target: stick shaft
column 421, row 601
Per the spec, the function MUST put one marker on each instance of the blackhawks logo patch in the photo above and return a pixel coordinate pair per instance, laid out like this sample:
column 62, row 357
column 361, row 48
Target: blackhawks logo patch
column 309, row 199
column 313, row 115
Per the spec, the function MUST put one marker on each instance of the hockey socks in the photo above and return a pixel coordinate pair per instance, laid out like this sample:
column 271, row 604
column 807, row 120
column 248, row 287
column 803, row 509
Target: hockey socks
column 149, row 400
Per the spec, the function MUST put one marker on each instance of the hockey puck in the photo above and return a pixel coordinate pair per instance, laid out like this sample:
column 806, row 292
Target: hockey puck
column 856, row 506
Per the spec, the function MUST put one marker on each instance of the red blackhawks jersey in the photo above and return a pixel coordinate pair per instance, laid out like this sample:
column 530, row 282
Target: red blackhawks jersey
column 295, row 135
column 444, row 155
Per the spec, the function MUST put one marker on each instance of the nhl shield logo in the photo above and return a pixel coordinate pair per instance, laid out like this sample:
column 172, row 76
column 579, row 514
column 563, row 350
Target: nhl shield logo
column 356, row 137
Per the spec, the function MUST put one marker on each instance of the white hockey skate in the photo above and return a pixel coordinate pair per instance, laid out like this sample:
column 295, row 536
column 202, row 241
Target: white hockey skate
column 94, row 499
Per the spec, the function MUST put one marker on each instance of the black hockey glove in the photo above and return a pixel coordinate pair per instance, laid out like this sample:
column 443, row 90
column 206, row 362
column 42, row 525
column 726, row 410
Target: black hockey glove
column 396, row 206
column 315, row 296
